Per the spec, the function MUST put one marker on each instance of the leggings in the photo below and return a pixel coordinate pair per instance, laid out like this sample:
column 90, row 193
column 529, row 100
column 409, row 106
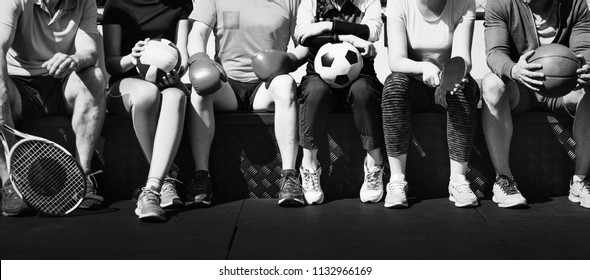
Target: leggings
column 404, row 95
column 317, row 99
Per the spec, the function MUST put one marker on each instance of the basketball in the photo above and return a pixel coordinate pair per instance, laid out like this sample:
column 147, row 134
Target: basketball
column 559, row 66
column 338, row 64
column 159, row 57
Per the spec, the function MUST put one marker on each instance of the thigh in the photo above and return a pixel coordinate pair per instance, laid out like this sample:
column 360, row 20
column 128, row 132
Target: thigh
column 126, row 93
column 40, row 96
column 222, row 100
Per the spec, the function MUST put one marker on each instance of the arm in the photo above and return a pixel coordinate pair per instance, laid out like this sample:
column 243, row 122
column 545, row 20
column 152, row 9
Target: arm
column 462, row 41
column 115, row 62
column 8, row 21
column 198, row 37
column 497, row 39
column 181, row 42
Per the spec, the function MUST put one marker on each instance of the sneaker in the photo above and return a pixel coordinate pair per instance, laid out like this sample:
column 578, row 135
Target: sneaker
column 372, row 188
column 12, row 203
column 200, row 191
column 148, row 206
column 92, row 199
column 168, row 194
column 396, row 194
column 580, row 193
column 461, row 193
column 291, row 192
column 506, row 194
column 310, row 181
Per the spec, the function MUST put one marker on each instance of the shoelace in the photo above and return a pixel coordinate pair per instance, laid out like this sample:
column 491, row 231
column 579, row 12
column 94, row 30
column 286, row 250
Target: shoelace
column 396, row 187
column 462, row 186
column 507, row 186
column 290, row 184
column 373, row 179
column 169, row 185
column 307, row 176
column 586, row 186
column 150, row 196
column 91, row 188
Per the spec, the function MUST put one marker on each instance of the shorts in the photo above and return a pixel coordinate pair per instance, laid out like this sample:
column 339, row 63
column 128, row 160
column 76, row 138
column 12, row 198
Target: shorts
column 245, row 93
column 532, row 100
column 42, row 96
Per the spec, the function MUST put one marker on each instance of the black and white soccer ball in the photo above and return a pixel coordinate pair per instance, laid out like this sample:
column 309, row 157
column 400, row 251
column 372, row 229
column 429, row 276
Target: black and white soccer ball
column 159, row 57
column 338, row 64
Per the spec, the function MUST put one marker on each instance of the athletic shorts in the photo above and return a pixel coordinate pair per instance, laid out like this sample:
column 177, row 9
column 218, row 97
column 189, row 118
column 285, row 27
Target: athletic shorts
column 42, row 96
column 532, row 100
column 245, row 93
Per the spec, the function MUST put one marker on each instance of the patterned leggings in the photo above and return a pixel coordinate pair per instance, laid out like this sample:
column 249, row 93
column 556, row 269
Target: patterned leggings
column 403, row 95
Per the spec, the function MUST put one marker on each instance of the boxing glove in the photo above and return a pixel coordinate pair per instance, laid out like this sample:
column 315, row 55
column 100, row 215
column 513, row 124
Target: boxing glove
column 205, row 74
column 268, row 64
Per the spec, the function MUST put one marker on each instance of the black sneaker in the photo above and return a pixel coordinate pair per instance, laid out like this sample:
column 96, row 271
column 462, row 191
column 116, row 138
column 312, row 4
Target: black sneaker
column 291, row 192
column 200, row 190
column 12, row 203
column 92, row 199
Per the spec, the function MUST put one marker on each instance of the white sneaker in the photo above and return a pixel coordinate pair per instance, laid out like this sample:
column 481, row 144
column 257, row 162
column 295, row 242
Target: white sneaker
column 580, row 193
column 506, row 194
column 460, row 192
column 168, row 194
column 310, row 182
column 396, row 194
column 372, row 188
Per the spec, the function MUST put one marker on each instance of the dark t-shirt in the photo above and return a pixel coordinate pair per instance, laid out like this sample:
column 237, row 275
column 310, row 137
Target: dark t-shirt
column 140, row 19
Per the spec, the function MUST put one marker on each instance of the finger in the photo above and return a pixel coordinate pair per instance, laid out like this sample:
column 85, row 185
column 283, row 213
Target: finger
column 583, row 69
column 528, row 55
column 581, row 58
column 465, row 80
column 532, row 81
column 533, row 88
column 436, row 80
column 532, row 66
column 55, row 66
column 532, row 74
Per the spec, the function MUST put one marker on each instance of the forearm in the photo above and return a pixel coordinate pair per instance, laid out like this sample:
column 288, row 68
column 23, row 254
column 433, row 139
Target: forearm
column 406, row 66
column 119, row 64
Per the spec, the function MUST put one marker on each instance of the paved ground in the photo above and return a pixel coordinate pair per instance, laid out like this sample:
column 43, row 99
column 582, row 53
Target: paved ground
column 341, row 229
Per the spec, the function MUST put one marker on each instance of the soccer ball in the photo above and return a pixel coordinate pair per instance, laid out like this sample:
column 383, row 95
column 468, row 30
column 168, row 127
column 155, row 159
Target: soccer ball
column 338, row 64
column 159, row 57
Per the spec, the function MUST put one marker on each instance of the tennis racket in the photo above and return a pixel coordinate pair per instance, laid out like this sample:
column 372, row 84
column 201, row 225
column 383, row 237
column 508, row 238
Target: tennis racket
column 44, row 174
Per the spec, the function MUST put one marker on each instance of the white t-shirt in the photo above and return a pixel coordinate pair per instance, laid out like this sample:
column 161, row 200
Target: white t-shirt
column 430, row 40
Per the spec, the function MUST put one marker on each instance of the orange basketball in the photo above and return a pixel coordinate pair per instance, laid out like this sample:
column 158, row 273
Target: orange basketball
column 559, row 66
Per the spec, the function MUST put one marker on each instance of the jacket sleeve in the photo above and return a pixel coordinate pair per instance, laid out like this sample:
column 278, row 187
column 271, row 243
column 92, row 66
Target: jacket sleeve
column 580, row 37
column 497, row 38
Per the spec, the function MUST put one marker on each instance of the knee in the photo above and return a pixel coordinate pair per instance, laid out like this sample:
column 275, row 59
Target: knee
column 493, row 89
column 314, row 90
column 396, row 86
column 283, row 88
column 361, row 91
column 147, row 97
column 174, row 95
column 92, row 80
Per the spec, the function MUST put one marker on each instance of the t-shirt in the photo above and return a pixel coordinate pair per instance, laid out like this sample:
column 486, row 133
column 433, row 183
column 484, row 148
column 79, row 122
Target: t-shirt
column 39, row 36
column 367, row 12
column 547, row 25
column 244, row 27
column 430, row 40
column 140, row 19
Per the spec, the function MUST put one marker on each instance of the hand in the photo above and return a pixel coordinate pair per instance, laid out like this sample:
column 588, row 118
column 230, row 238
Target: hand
column 309, row 30
column 137, row 50
column 526, row 73
column 170, row 80
column 366, row 48
column 431, row 74
column 440, row 97
column 583, row 73
column 60, row 65
column 459, row 87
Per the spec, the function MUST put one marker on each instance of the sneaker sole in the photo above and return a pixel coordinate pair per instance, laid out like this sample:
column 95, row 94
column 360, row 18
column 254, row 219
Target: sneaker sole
column 396, row 205
column 316, row 201
column 291, row 202
column 463, row 205
column 375, row 200
column 511, row 205
column 175, row 203
column 573, row 198
column 150, row 217
column 585, row 205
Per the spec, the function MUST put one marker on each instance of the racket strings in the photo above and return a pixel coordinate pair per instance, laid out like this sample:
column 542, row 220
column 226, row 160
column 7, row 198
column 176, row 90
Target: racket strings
column 49, row 178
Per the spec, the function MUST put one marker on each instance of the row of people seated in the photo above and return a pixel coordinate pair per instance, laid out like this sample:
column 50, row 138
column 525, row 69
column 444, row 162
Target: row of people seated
column 59, row 76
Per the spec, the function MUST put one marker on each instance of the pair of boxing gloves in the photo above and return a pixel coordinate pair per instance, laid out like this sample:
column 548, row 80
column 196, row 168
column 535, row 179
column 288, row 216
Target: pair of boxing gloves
column 206, row 75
